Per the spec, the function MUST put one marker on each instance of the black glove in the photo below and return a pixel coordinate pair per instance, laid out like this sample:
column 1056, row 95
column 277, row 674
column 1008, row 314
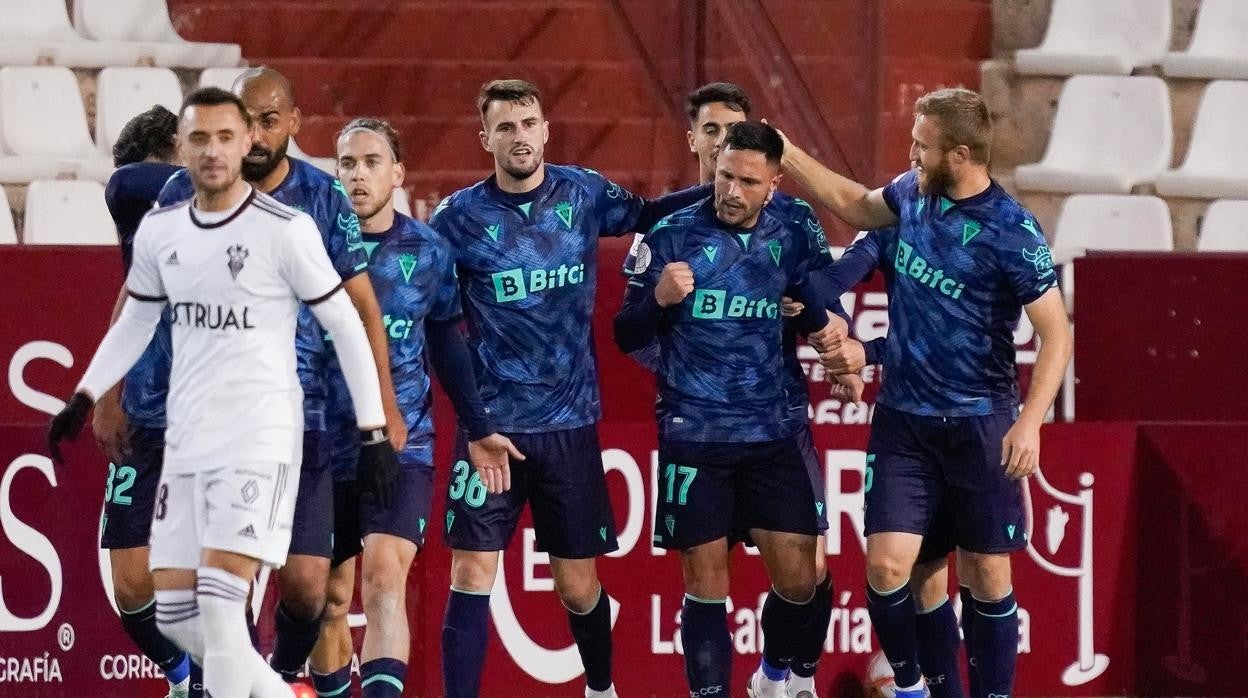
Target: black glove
column 67, row 423
column 378, row 467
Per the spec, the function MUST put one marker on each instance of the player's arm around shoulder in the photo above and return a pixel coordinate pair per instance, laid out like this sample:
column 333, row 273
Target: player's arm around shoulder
column 848, row 200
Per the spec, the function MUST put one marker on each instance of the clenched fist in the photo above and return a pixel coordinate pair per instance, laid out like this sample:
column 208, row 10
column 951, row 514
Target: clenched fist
column 675, row 283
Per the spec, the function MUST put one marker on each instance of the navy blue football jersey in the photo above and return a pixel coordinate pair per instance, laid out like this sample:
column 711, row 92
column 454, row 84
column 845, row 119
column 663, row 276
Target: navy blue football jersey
column 412, row 270
column 720, row 369
column 958, row 274
column 528, row 267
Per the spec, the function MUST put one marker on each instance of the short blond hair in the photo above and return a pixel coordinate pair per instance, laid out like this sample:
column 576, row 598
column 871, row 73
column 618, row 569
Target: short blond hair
column 963, row 118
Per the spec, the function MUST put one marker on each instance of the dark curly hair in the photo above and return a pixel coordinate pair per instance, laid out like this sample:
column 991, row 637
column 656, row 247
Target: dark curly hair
column 150, row 134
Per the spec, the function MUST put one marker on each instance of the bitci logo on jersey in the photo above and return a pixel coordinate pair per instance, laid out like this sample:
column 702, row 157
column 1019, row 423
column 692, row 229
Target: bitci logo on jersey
column 510, row 285
column 709, row 304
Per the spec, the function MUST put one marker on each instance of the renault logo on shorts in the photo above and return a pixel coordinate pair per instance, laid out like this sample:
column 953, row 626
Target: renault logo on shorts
column 250, row 491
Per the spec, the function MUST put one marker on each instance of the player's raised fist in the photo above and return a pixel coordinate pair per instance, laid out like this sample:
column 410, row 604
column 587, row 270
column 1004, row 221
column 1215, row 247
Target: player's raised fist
column 67, row 423
column 675, row 283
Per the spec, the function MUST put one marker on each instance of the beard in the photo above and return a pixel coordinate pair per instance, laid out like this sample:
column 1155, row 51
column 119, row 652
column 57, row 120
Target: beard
column 937, row 180
column 521, row 173
column 373, row 210
column 201, row 184
column 735, row 217
column 256, row 171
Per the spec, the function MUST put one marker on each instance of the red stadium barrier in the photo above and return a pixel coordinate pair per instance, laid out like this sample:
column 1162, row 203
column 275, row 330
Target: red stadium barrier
column 1119, row 575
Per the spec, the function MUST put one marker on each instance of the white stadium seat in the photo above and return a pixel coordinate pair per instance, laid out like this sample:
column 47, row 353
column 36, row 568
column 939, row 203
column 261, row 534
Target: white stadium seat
column 326, row 164
column 43, row 128
column 8, row 231
column 1216, row 165
column 1112, row 222
column 1110, row 134
column 33, row 31
column 1108, row 37
column 147, row 22
column 220, row 77
column 1225, row 228
column 1218, row 48
column 66, row 212
column 123, row 93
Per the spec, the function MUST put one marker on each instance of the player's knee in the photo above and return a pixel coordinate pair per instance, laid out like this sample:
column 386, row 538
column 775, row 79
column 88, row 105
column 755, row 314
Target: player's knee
column 335, row 610
column 383, row 585
column 304, row 588
column 304, row 598
column 473, row 571
column 580, row 594
column 795, row 590
column 886, row 572
column 989, row 576
column 132, row 589
column 706, row 577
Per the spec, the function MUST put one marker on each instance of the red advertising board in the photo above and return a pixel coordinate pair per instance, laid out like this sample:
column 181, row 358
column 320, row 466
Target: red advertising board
column 59, row 636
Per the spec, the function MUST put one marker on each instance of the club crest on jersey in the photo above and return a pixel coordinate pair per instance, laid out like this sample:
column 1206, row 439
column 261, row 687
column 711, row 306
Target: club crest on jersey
column 1041, row 258
column 564, row 210
column 237, row 255
column 775, row 248
column 407, row 264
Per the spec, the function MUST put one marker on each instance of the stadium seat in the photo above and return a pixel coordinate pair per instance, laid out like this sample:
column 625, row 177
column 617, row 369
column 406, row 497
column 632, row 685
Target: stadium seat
column 1111, row 222
column 35, row 31
column 1218, row 49
column 123, row 93
column 147, row 22
column 1109, row 134
column 43, row 128
column 402, row 202
column 64, row 212
column 8, row 232
column 326, row 164
column 1225, row 228
column 1216, row 166
column 220, row 77
column 18, row 52
column 1107, row 37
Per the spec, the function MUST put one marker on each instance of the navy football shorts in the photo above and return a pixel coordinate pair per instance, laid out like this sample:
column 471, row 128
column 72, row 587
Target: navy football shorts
column 917, row 465
column 130, row 491
column 709, row 491
column 355, row 517
column 562, row 480
column 814, row 468
column 312, row 532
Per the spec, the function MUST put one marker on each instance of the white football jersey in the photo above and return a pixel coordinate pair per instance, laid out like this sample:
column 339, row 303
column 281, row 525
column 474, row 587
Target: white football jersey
column 233, row 287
